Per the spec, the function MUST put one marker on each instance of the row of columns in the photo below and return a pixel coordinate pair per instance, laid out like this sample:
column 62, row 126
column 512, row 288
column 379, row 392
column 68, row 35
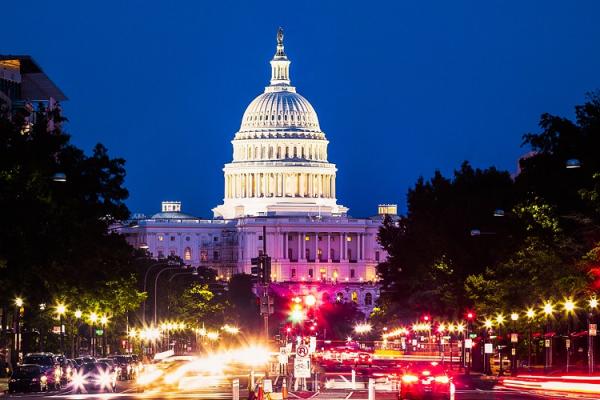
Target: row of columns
column 276, row 152
column 342, row 246
column 279, row 185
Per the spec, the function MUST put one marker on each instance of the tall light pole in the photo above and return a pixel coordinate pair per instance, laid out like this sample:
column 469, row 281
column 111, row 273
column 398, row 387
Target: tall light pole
column 593, row 303
column 530, row 315
column 167, row 263
column 61, row 309
column 500, row 321
column 548, row 312
column 104, row 322
column 156, row 285
column 74, row 345
column 18, row 306
column 514, row 317
column 486, row 365
column 93, row 319
column 569, row 307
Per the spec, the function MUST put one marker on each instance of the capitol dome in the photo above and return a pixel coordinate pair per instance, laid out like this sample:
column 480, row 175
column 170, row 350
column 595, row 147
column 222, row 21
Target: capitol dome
column 279, row 164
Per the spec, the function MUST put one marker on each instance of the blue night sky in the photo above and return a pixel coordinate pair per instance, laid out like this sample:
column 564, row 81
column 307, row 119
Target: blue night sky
column 401, row 89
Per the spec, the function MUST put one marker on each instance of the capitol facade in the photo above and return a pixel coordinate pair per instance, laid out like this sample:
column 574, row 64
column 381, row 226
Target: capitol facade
column 280, row 180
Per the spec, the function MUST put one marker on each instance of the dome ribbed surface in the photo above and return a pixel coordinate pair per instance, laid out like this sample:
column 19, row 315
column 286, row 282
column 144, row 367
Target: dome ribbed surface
column 280, row 110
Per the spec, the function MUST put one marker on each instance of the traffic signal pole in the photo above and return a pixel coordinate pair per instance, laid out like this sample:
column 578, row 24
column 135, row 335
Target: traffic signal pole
column 266, row 280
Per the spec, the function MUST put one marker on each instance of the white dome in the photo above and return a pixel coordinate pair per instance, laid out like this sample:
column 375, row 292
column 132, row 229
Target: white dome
column 281, row 113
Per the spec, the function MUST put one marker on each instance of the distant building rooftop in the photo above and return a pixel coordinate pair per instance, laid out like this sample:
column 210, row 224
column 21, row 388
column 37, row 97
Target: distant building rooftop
column 35, row 85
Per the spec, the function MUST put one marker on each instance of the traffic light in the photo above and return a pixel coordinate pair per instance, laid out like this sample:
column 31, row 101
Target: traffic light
column 261, row 269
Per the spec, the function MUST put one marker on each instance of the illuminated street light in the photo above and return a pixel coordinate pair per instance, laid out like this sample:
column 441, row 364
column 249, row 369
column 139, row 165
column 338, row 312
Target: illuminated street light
column 569, row 306
column 460, row 327
column 19, row 302
column 297, row 316
column 61, row 309
column 310, row 300
column 488, row 323
column 500, row 319
column 93, row 318
column 363, row 328
column 548, row 309
column 78, row 314
column 530, row 313
column 104, row 320
column 441, row 328
column 514, row 316
column 212, row 335
column 593, row 302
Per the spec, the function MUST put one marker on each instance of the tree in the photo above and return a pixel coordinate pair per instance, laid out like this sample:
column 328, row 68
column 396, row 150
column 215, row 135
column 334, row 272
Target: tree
column 197, row 304
column 245, row 310
column 55, row 239
column 338, row 319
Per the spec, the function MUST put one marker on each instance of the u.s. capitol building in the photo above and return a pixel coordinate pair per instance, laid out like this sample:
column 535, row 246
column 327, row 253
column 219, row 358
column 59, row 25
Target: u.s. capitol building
column 280, row 178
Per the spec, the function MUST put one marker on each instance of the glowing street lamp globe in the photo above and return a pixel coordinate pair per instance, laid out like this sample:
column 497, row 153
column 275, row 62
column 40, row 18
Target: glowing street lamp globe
column 593, row 302
column 548, row 308
column 569, row 306
column 310, row 300
column 61, row 309
column 514, row 316
column 19, row 302
column 93, row 318
column 530, row 313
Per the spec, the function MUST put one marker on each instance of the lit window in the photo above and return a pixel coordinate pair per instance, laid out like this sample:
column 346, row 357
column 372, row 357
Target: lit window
column 187, row 254
column 355, row 297
column 339, row 297
column 203, row 255
column 161, row 238
column 348, row 238
column 307, row 238
column 293, row 272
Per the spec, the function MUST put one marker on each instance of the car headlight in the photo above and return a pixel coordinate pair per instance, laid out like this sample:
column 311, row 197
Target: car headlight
column 43, row 379
column 78, row 380
column 409, row 378
column 442, row 379
column 105, row 379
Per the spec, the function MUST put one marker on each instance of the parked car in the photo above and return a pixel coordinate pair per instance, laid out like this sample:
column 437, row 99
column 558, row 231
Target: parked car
column 426, row 381
column 126, row 367
column 28, row 378
column 49, row 365
column 96, row 376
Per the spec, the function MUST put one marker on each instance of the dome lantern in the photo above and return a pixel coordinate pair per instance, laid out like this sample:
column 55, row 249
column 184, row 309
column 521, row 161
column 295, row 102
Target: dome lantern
column 280, row 67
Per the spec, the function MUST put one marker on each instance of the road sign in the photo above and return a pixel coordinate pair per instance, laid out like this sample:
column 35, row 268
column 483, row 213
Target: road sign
column 514, row 338
column 283, row 355
column 302, row 367
column 468, row 343
column 268, row 386
column 568, row 343
column 489, row 348
column 547, row 343
column 301, row 351
column 593, row 329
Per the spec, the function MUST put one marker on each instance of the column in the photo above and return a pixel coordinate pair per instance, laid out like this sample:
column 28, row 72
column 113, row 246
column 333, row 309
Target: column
column 328, row 247
column 303, row 242
column 301, row 178
column 333, row 187
column 362, row 246
column 264, row 182
column 285, row 245
column 342, row 246
column 309, row 184
column 300, row 255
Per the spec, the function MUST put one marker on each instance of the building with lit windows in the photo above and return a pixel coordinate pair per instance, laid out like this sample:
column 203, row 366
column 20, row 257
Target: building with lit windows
column 279, row 178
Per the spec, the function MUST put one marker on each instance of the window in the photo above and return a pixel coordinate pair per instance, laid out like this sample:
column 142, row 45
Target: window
column 355, row 297
column 335, row 274
column 307, row 254
column 187, row 238
column 290, row 254
column 161, row 238
column 307, row 238
column 368, row 299
column 203, row 255
column 215, row 255
column 348, row 238
column 173, row 252
column 187, row 254
column 172, row 238
column 323, row 273
column 310, row 273
column 290, row 238
column 260, row 237
column 320, row 254
column 161, row 254
column 339, row 297
column 376, row 256
column 216, row 239
column 293, row 272
column 332, row 253
column 352, row 273
column 349, row 254
column 320, row 238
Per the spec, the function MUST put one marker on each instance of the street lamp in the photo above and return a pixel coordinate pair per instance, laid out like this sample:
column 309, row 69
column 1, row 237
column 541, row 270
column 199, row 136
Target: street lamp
column 75, row 342
column 93, row 319
column 514, row 317
column 19, row 305
column 104, row 322
column 568, row 307
column 61, row 309
column 593, row 303
column 530, row 315
column 500, row 321
column 548, row 310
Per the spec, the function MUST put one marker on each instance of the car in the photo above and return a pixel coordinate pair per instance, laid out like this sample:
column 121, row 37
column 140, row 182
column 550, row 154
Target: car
column 28, row 378
column 49, row 365
column 363, row 358
column 126, row 366
column 429, row 381
column 84, row 359
column 95, row 376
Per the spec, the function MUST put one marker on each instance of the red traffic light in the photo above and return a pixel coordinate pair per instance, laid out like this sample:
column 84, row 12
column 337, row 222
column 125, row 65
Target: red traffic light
column 288, row 329
column 470, row 315
column 425, row 317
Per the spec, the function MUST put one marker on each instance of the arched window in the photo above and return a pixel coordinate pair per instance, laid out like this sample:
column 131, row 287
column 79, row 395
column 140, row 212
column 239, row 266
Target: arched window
column 368, row 299
column 187, row 254
column 339, row 297
column 355, row 297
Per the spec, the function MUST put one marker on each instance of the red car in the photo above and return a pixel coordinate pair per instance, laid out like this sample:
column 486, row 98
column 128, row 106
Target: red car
column 363, row 359
column 426, row 381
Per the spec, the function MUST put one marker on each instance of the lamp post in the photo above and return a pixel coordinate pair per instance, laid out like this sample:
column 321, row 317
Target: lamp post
column 500, row 321
column 530, row 315
column 93, row 319
column 593, row 303
column 103, row 323
column 74, row 344
column 514, row 317
column 569, row 307
column 169, row 263
column 18, row 306
column 156, row 285
column 61, row 309
column 486, row 365
column 548, row 311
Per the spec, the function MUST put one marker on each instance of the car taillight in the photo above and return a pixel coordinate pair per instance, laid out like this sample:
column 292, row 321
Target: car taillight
column 442, row 379
column 426, row 373
column 409, row 378
column 43, row 378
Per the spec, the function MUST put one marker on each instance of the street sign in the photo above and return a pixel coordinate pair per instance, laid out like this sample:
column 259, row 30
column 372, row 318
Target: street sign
column 283, row 355
column 99, row 332
column 513, row 351
column 301, row 351
column 489, row 348
column 514, row 338
column 468, row 343
column 302, row 367
column 593, row 329
column 268, row 386
column 547, row 343
column 568, row 343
